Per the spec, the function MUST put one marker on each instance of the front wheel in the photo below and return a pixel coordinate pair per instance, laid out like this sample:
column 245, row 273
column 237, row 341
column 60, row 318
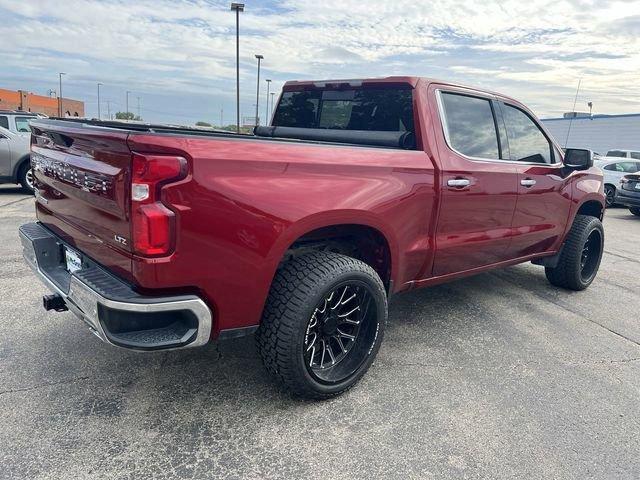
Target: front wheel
column 635, row 211
column 580, row 256
column 323, row 324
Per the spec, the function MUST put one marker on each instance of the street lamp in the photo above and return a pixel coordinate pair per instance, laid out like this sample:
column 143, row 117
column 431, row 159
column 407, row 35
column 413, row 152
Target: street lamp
column 60, row 94
column 266, row 117
column 271, row 114
column 127, row 105
column 99, row 118
column 237, row 7
column 257, row 122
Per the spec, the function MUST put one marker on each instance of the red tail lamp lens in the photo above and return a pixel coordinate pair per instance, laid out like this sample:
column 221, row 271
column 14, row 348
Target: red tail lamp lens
column 153, row 224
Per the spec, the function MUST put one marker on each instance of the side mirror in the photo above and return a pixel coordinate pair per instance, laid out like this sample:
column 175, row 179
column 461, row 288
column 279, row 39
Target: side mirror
column 578, row 159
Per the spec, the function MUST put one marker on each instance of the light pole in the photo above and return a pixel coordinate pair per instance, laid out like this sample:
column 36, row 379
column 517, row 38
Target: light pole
column 238, row 7
column 138, row 98
column 60, row 94
column 266, row 117
column 257, row 122
column 99, row 101
column 271, row 114
column 127, row 105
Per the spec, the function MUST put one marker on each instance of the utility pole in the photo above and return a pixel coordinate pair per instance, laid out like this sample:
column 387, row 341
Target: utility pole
column 138, row 98
column 221, row 117
column 60, row 94
column 257, row 122
column 266, row 118
column 238, row 7
column 99, row 118
column 109, row 110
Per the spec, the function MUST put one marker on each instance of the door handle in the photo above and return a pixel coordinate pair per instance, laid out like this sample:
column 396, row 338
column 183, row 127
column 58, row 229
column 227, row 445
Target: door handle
column 458, row 182
column 527, row 182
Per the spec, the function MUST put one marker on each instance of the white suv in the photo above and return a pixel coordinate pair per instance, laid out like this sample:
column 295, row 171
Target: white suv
column 614, row 169
column 15, row 163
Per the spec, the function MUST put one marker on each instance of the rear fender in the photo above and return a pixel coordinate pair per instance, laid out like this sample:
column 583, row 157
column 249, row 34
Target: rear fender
column 331, row 219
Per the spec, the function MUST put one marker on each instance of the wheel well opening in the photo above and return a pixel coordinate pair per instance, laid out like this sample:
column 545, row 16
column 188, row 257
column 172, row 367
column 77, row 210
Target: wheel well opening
column 358, row 241
column 592, row 208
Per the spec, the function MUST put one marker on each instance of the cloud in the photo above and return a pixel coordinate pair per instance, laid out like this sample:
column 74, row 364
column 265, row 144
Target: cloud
column 173, row 53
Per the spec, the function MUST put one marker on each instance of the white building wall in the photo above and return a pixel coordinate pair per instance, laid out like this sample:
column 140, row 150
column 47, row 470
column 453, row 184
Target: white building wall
column 599, row 134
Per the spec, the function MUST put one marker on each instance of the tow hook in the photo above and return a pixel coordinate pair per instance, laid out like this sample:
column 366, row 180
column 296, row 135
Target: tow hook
column 54, row 302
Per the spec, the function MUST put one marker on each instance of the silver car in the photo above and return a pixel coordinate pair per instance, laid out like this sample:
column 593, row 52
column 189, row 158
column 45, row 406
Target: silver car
column 614, row 168
column 15, row 163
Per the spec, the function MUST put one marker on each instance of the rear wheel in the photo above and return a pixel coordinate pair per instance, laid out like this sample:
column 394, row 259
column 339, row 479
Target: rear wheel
column 25, row 177
column 323, row 324
column 580, row 256
column 610, row 194
column 635, row 211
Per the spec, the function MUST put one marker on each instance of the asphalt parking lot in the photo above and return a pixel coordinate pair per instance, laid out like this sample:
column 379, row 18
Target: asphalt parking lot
column 500, row 375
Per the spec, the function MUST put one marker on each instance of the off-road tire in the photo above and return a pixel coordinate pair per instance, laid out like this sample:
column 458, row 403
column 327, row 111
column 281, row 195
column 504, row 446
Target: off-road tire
column 635, row 211
column 296, row 290
column 568, row 273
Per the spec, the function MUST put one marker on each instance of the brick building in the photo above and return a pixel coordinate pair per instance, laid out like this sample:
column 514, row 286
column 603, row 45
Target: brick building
column 29, row 102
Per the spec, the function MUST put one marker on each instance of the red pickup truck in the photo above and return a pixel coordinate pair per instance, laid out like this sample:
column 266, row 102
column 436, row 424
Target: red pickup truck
column 165, row 238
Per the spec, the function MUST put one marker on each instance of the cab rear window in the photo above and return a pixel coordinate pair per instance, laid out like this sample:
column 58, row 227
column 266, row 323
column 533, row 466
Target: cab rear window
column 388, row 110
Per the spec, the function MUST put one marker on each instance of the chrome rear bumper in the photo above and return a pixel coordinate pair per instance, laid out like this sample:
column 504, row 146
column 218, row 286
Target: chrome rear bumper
column 114, row 312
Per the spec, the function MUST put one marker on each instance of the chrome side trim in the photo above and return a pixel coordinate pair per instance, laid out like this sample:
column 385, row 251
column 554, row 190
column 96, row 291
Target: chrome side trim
column 83, row 301
column 445, row 131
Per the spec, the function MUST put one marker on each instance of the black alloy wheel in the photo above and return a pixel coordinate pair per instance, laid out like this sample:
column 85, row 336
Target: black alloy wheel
column 340, row 332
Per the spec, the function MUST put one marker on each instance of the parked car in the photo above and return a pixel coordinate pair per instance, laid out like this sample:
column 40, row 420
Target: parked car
column 629, row 193
column 624, row 154
column 614, row 169
column 15, row 165
column 166, row 238
column 17, row 121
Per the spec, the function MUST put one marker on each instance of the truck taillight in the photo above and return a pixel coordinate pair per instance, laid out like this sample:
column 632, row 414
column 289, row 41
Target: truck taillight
column 152, row 223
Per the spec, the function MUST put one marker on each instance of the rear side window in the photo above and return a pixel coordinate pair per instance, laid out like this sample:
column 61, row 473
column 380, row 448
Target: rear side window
column 616, row 153
column 635, row 155
column 388, row 110
column 4, row 122
column 527, row 143
column 471, row 129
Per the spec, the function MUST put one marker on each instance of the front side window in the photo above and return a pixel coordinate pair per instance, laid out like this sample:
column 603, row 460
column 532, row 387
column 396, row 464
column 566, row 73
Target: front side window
column 4, row 122
column 527, row 143
column 22, row 124
column 623, row 167
column 470, row 125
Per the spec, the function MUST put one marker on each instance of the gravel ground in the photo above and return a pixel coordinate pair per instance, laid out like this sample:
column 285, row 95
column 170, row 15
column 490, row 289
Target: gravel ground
column 499, row 375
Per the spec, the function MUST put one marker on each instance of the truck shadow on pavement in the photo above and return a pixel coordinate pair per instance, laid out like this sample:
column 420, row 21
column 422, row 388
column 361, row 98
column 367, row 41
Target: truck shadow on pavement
column 223, row 373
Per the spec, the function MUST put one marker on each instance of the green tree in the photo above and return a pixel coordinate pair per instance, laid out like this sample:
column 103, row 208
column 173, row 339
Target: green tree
column 127, row 116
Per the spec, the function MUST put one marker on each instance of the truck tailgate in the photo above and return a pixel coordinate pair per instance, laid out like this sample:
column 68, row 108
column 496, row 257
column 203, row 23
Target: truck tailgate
column 82, row 189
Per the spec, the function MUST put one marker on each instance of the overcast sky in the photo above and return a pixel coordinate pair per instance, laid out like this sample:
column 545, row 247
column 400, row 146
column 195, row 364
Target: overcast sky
column 179, row 57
